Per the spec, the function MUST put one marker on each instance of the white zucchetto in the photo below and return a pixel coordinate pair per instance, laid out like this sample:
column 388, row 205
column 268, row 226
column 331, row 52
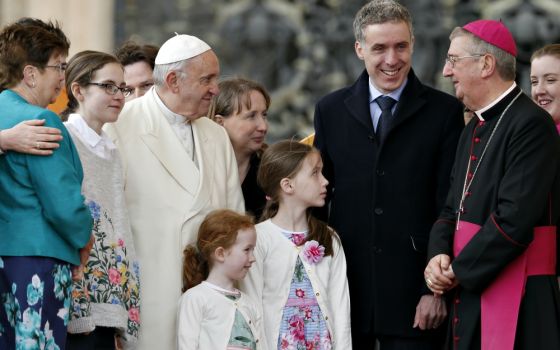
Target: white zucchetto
column 179, row 48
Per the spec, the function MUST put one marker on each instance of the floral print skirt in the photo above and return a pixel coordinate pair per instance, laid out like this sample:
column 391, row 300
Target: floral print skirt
column 303, row 325
column 35, row 297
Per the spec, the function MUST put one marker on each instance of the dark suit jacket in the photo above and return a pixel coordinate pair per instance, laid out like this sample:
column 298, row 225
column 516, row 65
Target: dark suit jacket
column 385, row 198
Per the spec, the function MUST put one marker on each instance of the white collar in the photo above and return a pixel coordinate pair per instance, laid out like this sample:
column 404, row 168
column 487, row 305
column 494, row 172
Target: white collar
column 493, row 103
column 172, row 117
column 374, row 93
column 88, row 135
column 235, row 292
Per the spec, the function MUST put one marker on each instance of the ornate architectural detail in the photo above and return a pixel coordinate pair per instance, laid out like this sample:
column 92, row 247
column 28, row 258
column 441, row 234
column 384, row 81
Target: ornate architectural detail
column 302, row 49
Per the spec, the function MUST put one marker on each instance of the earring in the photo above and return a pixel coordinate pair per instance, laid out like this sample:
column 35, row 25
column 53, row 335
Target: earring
column 33, row 81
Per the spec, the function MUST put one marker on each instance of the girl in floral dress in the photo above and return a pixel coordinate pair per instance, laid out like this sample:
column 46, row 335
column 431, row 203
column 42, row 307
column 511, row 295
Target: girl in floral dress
column 213, row 314
column 299, row 276
column 105, row 300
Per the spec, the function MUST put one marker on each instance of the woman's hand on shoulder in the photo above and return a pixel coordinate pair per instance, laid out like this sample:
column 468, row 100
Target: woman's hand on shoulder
column 30, row 137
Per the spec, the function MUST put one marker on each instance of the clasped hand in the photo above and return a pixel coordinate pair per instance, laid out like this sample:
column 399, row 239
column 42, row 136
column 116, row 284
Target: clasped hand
column 439, row 274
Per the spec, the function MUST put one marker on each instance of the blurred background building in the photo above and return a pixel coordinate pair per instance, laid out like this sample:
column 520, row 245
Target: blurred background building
column 299, row 49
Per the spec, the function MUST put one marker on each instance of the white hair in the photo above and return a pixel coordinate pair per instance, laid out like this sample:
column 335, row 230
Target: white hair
column 161, row 71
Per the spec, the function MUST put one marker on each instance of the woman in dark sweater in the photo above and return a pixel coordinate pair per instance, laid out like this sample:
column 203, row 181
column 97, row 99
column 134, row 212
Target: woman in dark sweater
column 241, row 108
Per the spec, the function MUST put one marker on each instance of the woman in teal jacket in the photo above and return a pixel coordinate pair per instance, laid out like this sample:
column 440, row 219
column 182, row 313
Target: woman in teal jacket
column 43, row 220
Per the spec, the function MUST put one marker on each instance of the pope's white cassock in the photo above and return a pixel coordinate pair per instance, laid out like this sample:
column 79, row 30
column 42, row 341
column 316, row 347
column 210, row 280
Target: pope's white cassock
column 170, row 186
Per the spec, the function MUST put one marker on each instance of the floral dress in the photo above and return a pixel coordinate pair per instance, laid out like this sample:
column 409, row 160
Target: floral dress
column 241, row 337
column 34, row 310
column 303, row 326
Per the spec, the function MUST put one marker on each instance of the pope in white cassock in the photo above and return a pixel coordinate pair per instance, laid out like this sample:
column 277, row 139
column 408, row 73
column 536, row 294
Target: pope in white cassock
column 178, row 166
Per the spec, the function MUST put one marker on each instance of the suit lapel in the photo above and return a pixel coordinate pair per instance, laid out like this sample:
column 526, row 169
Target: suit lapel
column 205, row 149
column 358, row 102
column 167, row 148
column 409, row 103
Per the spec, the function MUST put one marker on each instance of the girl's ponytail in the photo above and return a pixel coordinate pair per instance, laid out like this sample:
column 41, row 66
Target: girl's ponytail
column 71, row 107
column 320, row 232
column 195, row 267
column 270, row 209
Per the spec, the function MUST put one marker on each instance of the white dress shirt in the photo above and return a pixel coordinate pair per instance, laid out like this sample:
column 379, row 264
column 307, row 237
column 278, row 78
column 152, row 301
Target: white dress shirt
column 374, row 93
column 100, row 145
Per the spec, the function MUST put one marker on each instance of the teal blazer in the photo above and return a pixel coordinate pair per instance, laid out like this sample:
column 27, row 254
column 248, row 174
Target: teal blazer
column 42, row 210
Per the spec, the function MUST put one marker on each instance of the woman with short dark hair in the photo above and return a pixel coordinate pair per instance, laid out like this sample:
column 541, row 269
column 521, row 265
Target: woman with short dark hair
column 43, row 219
column 241, row 108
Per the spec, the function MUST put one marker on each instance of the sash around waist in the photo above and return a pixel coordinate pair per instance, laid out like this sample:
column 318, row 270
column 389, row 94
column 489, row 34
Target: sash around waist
column 501, row 300
column 540, row 254
column 301, row 302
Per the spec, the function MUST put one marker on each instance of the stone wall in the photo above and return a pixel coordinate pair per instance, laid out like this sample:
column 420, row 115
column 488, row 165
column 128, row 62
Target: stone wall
column 299, row 49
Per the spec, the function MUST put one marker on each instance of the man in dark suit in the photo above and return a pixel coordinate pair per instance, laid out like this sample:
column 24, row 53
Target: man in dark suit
column 388, row 163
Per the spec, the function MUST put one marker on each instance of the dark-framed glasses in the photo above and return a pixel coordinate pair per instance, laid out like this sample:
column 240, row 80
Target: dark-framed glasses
column 453, row 59
column 61, row 67
column 112, row 89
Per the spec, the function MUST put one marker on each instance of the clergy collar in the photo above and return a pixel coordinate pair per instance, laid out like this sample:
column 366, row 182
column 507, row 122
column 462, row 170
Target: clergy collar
column 479, row 113
column 395, row 94
column 171, row 116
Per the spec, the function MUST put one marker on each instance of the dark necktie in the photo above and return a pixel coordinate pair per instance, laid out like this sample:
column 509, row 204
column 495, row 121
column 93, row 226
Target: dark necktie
column 386, row 103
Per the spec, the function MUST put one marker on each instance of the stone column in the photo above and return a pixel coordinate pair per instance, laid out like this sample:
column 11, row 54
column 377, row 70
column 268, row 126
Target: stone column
column 88, row 24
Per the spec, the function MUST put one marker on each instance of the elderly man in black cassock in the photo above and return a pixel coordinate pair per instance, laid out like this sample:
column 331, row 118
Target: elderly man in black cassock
column 493, row 248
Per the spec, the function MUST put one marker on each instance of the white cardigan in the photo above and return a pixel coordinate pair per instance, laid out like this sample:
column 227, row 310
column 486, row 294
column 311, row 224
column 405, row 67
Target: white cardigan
column 205, row 319
column 269, row 279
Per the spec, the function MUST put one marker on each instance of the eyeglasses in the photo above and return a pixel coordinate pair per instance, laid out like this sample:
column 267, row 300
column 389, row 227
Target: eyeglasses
column 453, row 59
column 61, row 67
column 112, row 89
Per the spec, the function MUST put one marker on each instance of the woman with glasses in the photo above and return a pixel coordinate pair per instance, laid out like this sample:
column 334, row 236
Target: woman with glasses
column 43, row 219
column 105, row 301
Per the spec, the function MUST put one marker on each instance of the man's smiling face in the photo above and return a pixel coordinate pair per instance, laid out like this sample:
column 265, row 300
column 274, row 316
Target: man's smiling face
column 387, row 54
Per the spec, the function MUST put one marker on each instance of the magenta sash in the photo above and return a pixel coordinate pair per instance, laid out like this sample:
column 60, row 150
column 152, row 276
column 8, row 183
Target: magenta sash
column 500, row 302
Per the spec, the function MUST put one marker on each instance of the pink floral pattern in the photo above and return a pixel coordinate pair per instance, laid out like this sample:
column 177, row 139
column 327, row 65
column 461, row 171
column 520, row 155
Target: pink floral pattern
column 303, row 325
column 114, row 276
column 110, row 277
column 134, row 315
column 297, row 327
column 313, row 252
column 297, row 238
column 287, row 342
column 308, row 312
